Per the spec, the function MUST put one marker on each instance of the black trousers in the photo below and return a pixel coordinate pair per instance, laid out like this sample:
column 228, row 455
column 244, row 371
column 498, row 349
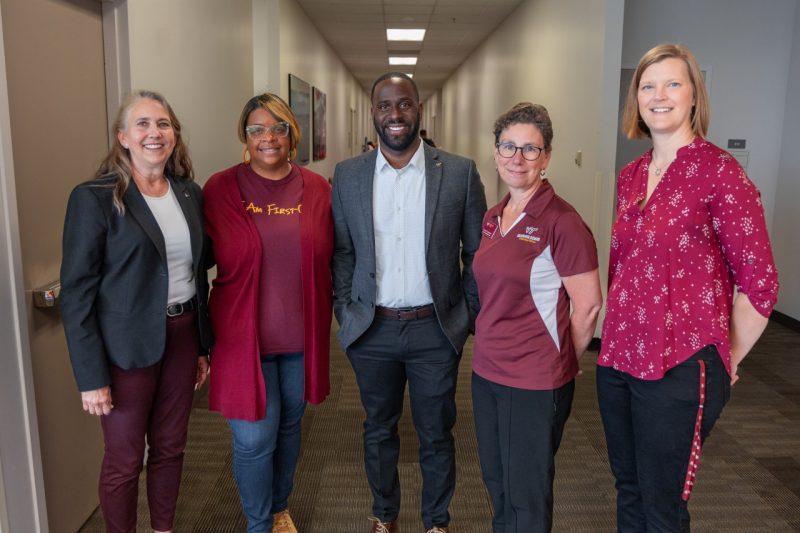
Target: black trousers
column 389, row 354
column 650, row 429
column 519, row 432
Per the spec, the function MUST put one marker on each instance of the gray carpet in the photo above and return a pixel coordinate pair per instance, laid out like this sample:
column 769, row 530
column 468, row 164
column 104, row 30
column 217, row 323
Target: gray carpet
column 749, row 479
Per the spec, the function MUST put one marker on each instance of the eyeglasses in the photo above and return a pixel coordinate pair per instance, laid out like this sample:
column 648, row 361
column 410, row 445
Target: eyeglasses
column 530, row 152
column 257, row 131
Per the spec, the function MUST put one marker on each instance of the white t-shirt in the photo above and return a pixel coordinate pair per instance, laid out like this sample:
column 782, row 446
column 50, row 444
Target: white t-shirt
column 169, row 215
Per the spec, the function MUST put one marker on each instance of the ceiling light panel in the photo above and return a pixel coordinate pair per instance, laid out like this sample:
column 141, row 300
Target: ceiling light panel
column 400, row 60
column 396, row 34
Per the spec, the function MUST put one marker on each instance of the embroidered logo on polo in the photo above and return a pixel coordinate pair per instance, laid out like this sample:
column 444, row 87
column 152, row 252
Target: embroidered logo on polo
column 529, row 236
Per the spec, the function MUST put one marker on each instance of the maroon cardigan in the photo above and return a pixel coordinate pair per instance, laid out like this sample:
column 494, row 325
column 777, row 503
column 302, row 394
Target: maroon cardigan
column 237, row 384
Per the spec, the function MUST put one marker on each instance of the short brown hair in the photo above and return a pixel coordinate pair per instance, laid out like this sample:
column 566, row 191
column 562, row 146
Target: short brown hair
column 278, row 108
column 527, row 113
column 632, row 122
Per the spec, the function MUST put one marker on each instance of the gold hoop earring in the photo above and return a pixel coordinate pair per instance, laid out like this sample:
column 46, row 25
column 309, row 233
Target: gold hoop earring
column 246, row 156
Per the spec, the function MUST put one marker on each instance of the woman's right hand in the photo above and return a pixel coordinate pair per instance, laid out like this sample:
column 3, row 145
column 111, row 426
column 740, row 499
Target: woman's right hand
column 98, row 401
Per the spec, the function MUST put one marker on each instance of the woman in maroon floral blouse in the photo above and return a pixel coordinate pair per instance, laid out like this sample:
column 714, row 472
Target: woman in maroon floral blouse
column 689, row 230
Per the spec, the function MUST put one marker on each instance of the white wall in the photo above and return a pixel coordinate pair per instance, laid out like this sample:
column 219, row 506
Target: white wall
column 209, row 57
column 565, row 55
column 785, row 237
column 305, row 54
column 432, row 116
column 550, row 52
column 199, row 54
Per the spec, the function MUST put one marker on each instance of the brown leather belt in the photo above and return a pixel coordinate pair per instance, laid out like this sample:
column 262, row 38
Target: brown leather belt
column 405, row 313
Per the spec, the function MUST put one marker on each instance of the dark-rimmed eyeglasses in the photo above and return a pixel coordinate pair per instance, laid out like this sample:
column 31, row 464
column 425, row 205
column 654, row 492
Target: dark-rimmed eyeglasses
column 530, row 152
column 257, row 131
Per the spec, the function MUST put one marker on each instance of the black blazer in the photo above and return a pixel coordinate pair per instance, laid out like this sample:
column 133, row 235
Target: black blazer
column 114, row 279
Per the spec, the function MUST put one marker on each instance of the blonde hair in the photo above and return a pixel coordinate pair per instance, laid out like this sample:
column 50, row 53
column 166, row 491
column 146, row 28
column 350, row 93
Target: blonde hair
column 632, row 122
column 278, row 108
column 117, row 163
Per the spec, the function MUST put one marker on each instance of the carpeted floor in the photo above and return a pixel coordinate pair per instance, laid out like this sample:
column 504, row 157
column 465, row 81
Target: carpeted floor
column 749, row 480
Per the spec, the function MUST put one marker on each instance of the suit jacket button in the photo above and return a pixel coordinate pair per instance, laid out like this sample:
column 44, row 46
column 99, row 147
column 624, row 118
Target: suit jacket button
column 372, row 275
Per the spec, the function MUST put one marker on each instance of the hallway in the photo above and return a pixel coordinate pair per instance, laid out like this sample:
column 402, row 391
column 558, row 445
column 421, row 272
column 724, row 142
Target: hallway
column 749, row 480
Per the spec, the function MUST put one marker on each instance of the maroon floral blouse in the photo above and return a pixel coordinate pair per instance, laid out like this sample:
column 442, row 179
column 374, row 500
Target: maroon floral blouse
column 674, row 263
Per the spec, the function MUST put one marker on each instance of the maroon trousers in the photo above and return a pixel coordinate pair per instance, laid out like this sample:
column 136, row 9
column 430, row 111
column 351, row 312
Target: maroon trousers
column 151, row 404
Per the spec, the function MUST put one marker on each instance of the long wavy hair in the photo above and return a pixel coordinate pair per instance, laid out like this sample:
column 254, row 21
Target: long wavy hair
column 117, row 163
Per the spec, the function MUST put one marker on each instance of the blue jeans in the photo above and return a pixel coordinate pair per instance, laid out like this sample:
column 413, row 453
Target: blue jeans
column 265, row 452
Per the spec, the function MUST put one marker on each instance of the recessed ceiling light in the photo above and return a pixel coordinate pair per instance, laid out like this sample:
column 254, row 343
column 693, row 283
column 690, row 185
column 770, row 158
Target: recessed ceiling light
column 402, row 60
column 394, row 34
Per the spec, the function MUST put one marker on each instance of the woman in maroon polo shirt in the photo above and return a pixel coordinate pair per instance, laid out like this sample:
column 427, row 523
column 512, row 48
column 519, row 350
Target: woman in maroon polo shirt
column 536, row 257
column 690, row 227
column 270, row 224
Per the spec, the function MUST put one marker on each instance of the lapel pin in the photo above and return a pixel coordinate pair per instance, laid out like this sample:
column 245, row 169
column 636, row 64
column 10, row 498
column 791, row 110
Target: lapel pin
column 186, row 194
column 438, row 163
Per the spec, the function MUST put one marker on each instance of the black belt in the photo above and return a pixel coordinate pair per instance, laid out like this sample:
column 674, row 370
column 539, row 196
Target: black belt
column 174, row 310
column 405, row 313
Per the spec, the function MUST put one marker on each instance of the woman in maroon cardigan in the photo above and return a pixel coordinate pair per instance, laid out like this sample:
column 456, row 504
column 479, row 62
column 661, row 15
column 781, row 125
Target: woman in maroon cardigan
column 270, row 224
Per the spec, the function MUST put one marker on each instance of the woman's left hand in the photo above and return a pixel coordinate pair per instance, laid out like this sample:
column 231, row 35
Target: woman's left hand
column 202, row 371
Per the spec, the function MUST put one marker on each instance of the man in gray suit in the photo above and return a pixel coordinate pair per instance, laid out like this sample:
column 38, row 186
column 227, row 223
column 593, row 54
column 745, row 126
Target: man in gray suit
column 407, row 220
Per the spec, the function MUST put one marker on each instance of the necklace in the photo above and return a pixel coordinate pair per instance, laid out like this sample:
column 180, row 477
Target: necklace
column 659, row 170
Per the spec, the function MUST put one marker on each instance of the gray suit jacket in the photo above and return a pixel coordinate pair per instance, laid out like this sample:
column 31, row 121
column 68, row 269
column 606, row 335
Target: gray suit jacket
column 454, row 207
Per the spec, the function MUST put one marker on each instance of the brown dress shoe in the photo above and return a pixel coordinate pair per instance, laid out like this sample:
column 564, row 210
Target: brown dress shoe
column 383, row 527
column 438, row 529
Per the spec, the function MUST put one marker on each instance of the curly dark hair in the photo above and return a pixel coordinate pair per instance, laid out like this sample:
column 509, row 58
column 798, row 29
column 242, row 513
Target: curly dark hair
column 526, row 113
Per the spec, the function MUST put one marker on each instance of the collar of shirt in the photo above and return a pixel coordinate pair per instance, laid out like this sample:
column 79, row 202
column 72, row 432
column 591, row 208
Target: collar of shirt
column 417, row 162
column 535, row 205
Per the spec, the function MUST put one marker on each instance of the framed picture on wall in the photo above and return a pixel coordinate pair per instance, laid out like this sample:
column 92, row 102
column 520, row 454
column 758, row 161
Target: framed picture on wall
column 300, row 102
column 320, row 135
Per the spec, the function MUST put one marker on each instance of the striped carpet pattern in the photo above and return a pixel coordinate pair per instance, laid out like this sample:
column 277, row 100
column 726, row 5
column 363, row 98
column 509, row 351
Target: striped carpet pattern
column 749, row 479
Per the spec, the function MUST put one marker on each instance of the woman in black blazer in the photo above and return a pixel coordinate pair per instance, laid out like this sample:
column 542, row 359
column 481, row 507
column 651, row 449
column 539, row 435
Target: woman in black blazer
column 133, row 303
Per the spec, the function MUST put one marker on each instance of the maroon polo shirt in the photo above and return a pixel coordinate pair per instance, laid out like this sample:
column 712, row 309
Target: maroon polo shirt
column 522, row 336
column 275, row 208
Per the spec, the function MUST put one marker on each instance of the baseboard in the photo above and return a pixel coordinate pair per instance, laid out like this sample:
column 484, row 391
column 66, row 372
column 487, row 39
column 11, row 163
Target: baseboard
column 785, row 320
